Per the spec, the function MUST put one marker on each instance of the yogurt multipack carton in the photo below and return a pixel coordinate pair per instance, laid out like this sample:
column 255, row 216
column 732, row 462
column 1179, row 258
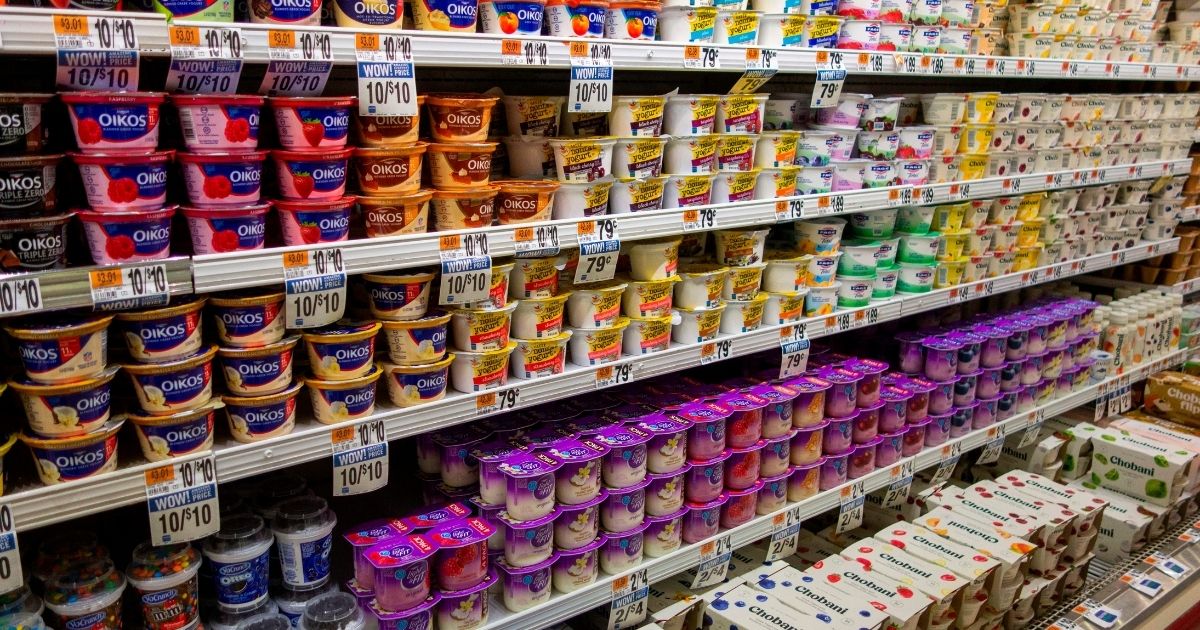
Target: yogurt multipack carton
column 1000, row 516
column 1123, row 528
column 968, row 563
column 941, row 584
column 1163, row 441
column 1077, row 451
column 749, row 609
column 1037, row 456
column 905, row 606
column 1012, row 552
column 1058, row 523
column 1089, row 506
column 1158, row 431
column 804, row 592
column 1140, row 467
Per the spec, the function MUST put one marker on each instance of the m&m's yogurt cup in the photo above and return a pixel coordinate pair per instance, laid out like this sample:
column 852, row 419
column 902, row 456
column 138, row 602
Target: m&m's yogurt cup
column 87, row 596
column 227, row 229
column 312, row 123
column 116, row 181
column 114, row 121
column 165, row 579
column 218, row 122
column 311, row 222
column 128, row 236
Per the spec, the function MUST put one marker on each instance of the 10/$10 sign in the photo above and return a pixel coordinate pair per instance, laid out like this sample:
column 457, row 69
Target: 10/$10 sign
column 387, row 83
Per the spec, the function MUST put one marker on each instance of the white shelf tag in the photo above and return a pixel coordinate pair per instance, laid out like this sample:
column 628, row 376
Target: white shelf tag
column 714, row 562
column 466, row 269
column 120, row 288
column 629, row 600
column 205, row 59
column 315, row 284
column 360, row 458
column 96, row 53
column 182, row 501
column 387, row 84
column 299, row 64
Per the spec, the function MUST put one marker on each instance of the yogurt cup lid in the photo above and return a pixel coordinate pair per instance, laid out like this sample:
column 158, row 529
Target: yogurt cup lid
column 612, row 536
column 641, row 485
column 90, row 585
column 400, row 551
column 302, row 513
column 670, row 475
column 775, row 393
column 680, row 513
column 741, row 493
column 496, row 450
column 156, row 565
column 892, row 393
column 625, row 413
column 524, row 465
column 662, row 424
column 622, row 436
column 704, row 412
column 589, row 424
column 333, row 610
column 809, row 384
column 596, row 543
column 725, row 454
column 743, row 401
column 916, row 385
column 837, row 375
column 374, row 532
column 757, row 446
column 391, row 615
column 512, row 571
column 540, row 438
column 460, row 533
column 866, row 366
column 571, row 450
column 513, row 523
column 940, row 343
column 437, row 515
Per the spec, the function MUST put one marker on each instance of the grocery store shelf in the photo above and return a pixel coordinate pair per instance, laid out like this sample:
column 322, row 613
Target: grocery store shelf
column 1190, row 213
column 564, row 606
column 218, row 272
column 40, row 506
column 31, row 31
column 72, row 288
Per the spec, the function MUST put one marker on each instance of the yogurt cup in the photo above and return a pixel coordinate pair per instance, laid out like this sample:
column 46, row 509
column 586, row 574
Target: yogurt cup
column 226, row 229
column 69, row 459
column 303, row 529
column 312, row 123
column 128, row 236
column 419, row 341
column 401, row 572
column 473, row 372
column 689, row 114
column 534, row 358
column 847, row 114
column 411, row 385
column 172, row 386
column 119, row 181
column 247, row 320
column 743, row 283
column 580, row 200
column 166, row 584
column 107, row 121
column 308, row 175
column 255, row 418
column 476, row 329
column 163, row 334
column 682, row 191
column 687, row 24
column 636, row 116
column 337, row 401
column 741, row 113
column 239, row 555
column 460, row 166
column 459, row 118
column 468, row 607
column 176, row 435
column 653, row 260
column 691, row 154
column 597, row 346
column 66, row 409
column 88, row 595
column 341, row 351
column 819, row 236
column 526, row 587
column 698, row 325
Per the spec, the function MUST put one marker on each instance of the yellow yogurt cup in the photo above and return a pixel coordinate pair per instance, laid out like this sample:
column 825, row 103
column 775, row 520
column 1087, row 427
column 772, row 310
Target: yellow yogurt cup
column 596, row 346
column 535, row 358
column 343, row 401
column 473, row 372
column 417, row 342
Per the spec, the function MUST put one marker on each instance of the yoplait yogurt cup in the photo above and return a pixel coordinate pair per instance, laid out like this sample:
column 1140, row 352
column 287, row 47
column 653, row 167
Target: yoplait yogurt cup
column 172, row 386
column 260, row 370
column 312, row 123
column 68, row 409
column 248, row 319
column 227, row 229
column 69, row 459
column 316, row 221
column 176, row 435
column 111, row 121
column 128, row 236
column 117, row 181
column 218, row 122
column 216, row 179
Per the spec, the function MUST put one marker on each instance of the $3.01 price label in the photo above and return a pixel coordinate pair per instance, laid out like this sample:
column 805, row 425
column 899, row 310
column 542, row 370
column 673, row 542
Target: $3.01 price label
column 591, row 88
column 387, row 83
column 360, row 458
column 96, row 53
column 205, row 59
column 119, row 288
column 299, row 64
column 182, row 500
column 315, row 284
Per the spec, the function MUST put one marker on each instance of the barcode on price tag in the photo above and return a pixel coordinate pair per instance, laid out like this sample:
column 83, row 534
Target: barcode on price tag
column 516, row 52
column 705, row 57
column 466, row 269
column 387, row 84
column 11, row 575
column 629, row 600
column 205, row 59
column 315, row 286
column 599, row 245
column 591, row 88
column 714, row 562
column 785, row 534
column 20, row 295
column 182, row 501
column 851, row 500
column 536, row 242
column 360, row 458
column 96, row 53
column 299, row 64
column 120, row 288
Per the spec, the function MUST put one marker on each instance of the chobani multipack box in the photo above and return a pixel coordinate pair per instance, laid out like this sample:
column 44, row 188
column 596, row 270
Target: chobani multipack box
column 905, row 606
column 1174, row 396
column 1139, row 467
column 1012, row 552
column 1077, row 451
column 1166, row 436
column 1125, row 526
column 1088, row 505
column 799, row 590
column 743, row 608
column 1058, row 522
column 940, row 583
column 969, row 563
column 1001, row 516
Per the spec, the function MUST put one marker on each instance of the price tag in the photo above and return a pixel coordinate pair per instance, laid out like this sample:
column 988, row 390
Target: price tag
column 851, row 500
column 20, row 295
column 118, row 288
column 761, row 65
column 924, row 196
column 536, row 242
column 494, row 402
column 828, row 88
column 610, row 375
column 205, row 59
column 912, row 63
column 387, row 84
column 315, row 284
column 789, row 210
column 1139, row 582
column 629, row 600
column 785, row 534
column 591, row 88
column 831, row 59
column 517, row 52
column 852, row 319
column 96, row 53
column 960, row 192
column 1167, row 564
column 950, row 454
column 901, row 483
column 714, row 351
column 1062, row 623
column 599, row 245
column 991, row 450
column 870, row 62
column 11, row 576
column 466, row 269
column 1032, row 430
column 360, row 458
column 299, row 64
column 182, row 500
column 714, row 562
column 1094, row 612
column 701, row 57
column 831, row 204
column 794, row 345
column 900, row 197
column 699, row 220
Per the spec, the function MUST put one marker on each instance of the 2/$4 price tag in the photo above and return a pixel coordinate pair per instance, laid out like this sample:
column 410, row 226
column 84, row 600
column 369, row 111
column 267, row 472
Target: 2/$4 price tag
column 851, row 501
column 387, row 84
column 360, row 458
column 950, row 455
column 315, row 284
column 599, row 245
column 182, row 500
column 299, row 64
column 466, row 269
column 96, row 53
column 1033, row 428
column 205, row 59
column 120, row 288
column 714, row 562
column 629, row 600
column 901, row 484
column 794, row 346
column 591, row 88
column 785, row 534
column 991, row 450
column 11, row 576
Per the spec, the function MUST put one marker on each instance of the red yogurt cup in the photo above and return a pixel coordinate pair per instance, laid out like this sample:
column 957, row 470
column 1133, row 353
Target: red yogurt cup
column 119, row 182
column 219, row 122
column 129, row 236
column 310, row 222
column 114, row 121
column 223, row 179
column 227, row 229
column 312, row 176
column 312, row 123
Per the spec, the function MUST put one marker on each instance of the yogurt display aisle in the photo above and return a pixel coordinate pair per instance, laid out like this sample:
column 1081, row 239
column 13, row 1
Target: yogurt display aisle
column 598, row 314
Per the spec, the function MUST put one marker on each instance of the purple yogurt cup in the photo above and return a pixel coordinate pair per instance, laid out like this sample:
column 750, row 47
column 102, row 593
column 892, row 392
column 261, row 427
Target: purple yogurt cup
column 588, row 425
column 458, row 467
column 941, row 358
column 1007, row 406
column 578, row 567
column 838, row 435
column 1018, row 338
column 862, row 460
column 941, row 398
column 809, row 406
column 461, row 558
column 744, row 426
column 624, row 509
column 989, row 382
column 992, row 347
column 1064, row 383
column 401, row 568
column 890, row 448
column 490, row 455
column 706, row 437
column 706, row 479
column 986, row 412
column 912, row 357
column 938, row 429
column 664, row 495
column 894, row 413
column 968, row 354
column 703, row 519
column 807, row 443
column 364, row 536
column 914, row 438
column 918, row 405
column 577, row 525
column 1045, row 389
column 1052, row 365
column 491, row 514
column 625, row 463
column 436, row 515
column 961, row 419
column 1031, row 369
column 622, row 551
column 834, row 470
column 1026, row 398
column 529, row 485
column 743, row 466
column 776, row 456
column 866, row 425
column 630, row 412
column 528, row 542
column 420, row 617
column 773, row 494
column 578, row 479
column 872, row 375
column 842, row 397
column 663, row 534
column 467, row 608
column 540, row 439
column 741, row 506
column 1056, row 334
column 429, row 455
column 1010, row 376
column 667, row 450
column 805, row 481
column 527, row 586
column 1039, row 328
column 777, row 415
column 964, row 388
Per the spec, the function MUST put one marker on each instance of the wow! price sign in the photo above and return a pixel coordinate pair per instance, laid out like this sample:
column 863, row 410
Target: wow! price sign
column 96, row 53
column 386, row 78
column 205, row 60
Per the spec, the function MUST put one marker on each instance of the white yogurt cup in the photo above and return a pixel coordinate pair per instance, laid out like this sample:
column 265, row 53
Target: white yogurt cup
column 636, row 116
column 595, row 305
column 742, row 316
column 847, row 114
column 638, row 157
column 687, row 24
column 691, row 154
column 697, row 325
column 690, row 114
column 741, row 113
column 580, row 200
column 636, row 195
column 700, row 286
column 682, row 191
column 784, row 307
column 647, row 335
column 303, row 529
column 529, row 157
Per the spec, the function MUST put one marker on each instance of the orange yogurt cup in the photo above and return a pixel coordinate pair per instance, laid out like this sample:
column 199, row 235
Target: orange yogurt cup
column 461, row 166
column 464, row 209
column 392, row 215
column 460, row 117
column 389, row 170
column 525, row 200
column 389, row 131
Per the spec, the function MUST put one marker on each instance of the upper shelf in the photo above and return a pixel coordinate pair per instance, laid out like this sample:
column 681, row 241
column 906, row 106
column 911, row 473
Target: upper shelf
column 30, row 31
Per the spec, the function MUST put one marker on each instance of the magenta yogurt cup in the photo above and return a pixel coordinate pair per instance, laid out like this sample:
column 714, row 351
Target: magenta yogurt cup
column 491, row 455
column 625, row 464
column 401, row 575
column 227, row 228
column 1026, row 398
column 808, row 408
column 1039, row 333
column 918, row 405
column 938, row 429
column 436, row 515
column 706, row 437
column 528, row 542
column 578, row 567
column 129, row 235
column 458, row 467
column 894, row 413
column 222, row 179
column 667, row 449
column 467, row 608
column 743, row 467
column 838, row 435
column 776, row 456
column 988, row 383
column 1018, row 339
column 741, row 506
column 461, row 557
column 744, row 427
column 622, row 551
column 941, row 358
column 842, row 397
column 1031, row 368
column 914, row 437
column 941, row 397
column 862, row 460
column 872, row 372
column 1010, row 376
column 419, row 617
column 491, row 514
column 968, row 354
column 835, row 470
column 992, row 348
column 773, row 493
column 578, row 524
column 663, row 534
column 703, row 519
column 961, row 418
column 529, row 484
column 219, row 122
column 986, row 412
column 625, row 508
column 890, row 448
column 964, row 388
column 364, row 536
column 664, row 495
column 866, row 424
column 912, row 355
column 578, row 479
column 778, row 414
column 111, row 121
column 706, row 478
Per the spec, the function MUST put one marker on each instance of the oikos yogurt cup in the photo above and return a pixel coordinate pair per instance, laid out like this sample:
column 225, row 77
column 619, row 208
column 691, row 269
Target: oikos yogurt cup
column 219, row 122
column 389, row 170
column 297, row 12
column 343, row 400
column 312, row 123
column 227, row 229
column 248, row 320
column 312, row 222
column 68, row 409
column 128, row 236
column 68, row 459
column 399, row 297
column 176, row 435
column 311, row 175
column 117, row 181
column 341, row 351
column 163, row 334
column 369, row 13
column 107, row 121
column 258, row 371
column 384, row 131
column 169, row 387
column 393, row 215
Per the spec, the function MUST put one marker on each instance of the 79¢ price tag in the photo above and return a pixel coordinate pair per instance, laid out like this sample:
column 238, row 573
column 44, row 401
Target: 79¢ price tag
column 599, row 245
column 387, row 84
column 182, row 500
column 11, row 575
column 119, row 288
column 315, row 284
column 494, row 402
column 610, row 375
column 629, row 595
column 761, row 65
column 466, row 269
column 785, row 534
column 591, row 88
column 794, row 350
column 96, row 53
column 827, row 88
column 360, row 458
column 205, row 59
column 714, row 562
column 299, row 64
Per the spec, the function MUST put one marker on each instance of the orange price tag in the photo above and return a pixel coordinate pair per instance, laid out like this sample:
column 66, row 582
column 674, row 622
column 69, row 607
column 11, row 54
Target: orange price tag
column 693, row 216
column 185, row 36
column 366, row 41
column 295, row 259
column 70, row 25
column 822, row 56
column 281, row 39
column 342, row 434
column 523, row 234
column 691, row 52
column 823, row 202
column 830, row 321
column 510, row 47
column 863, row 59
column 578, row 49
column 449, row 242
column 160, row 475
column 959, row 62
column 893, row 195
column 485, row 401
column 106, row 278
column 752, row 54
column 926, row 61
column 586, row 227
column 990, row 64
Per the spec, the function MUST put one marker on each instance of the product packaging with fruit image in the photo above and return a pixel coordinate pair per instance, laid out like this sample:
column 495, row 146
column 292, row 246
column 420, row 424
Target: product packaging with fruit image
column 1120, row 463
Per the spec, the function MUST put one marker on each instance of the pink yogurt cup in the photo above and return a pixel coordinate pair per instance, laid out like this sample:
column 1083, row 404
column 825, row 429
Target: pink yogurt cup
column 744, row 427
column 859, row 35
column 706, row 479
column 914, row 437
column 312, row 123
column 219, row 122
column 223, row 179
column 834, row 471
column 703, row 519
column 890, row 448
column 941, row 398
column 866, row 424
column 938, row 429
column 872, row 372
column 313, row 176
column 894, row 413
column 111, row 121
column 838, row 434
column 741, row 506
column 230, row 229
column 706, row 437
column 776, row 456
column 743, row 467
column 115, row 181
column 862, row 460
column 311, row 222
column 859, row 9
column 131, row 236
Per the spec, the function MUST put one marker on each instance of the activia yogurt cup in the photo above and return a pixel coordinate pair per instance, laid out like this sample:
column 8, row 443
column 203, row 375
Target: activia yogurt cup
column 128, row 236
column 176, row 435
column 219, row 122
column 173, row 386
column 343, row 400
column 67, row 409
column 117, row 181
column 107, row 121
column 227, row 229
column 69, row 459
